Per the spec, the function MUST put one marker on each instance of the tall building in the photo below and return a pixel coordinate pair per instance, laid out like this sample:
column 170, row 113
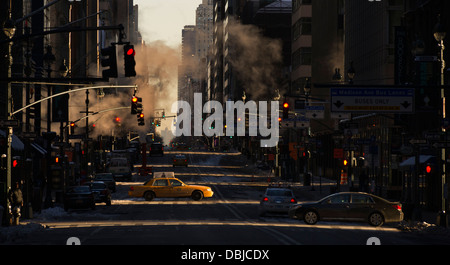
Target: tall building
column 186, row 71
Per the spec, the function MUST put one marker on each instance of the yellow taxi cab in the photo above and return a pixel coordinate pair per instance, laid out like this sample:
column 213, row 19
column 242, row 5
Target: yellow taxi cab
column 167, row 186
column 180, row 160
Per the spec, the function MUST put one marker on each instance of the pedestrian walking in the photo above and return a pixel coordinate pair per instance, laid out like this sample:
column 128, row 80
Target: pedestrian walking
column 16, row 202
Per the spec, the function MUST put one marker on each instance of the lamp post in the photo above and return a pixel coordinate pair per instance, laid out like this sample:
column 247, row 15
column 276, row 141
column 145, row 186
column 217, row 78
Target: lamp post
column 307, row 90
column 440, row 34
column 49, row 59
column 9, row 29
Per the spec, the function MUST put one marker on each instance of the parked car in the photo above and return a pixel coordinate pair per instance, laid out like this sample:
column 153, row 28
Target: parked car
column 108, row 179
column 156, row 149
column 180, row 160
column 169, row 187
column 101, row 191
column 79, row 197
column 276, row 200
column 353, row 206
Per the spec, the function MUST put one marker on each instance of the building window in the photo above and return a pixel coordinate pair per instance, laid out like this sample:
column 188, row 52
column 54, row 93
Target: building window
column 302, row 27
column 297, row 3
column 301, row 56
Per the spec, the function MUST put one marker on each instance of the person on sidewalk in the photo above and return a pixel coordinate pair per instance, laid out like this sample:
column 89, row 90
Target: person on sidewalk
column 16, row 202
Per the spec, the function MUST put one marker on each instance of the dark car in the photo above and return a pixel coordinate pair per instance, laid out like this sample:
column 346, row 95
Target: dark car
column 101, row 191
column 276, row 200
column 156, row 149
column 79, row 197
column 108, row 179
column 353, row 206
column 180, row 160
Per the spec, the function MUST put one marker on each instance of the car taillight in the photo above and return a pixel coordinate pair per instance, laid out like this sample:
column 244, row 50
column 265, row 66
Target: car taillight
column 131, row 188
column 293, row 200
column 397, row 207
column 266, row 199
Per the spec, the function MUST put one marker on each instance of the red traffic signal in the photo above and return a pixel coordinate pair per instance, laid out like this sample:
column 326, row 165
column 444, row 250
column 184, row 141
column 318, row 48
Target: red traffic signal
column 72, row 128
column 285, row 110
column 141, row 121
column 129, row 53
column 429, row 169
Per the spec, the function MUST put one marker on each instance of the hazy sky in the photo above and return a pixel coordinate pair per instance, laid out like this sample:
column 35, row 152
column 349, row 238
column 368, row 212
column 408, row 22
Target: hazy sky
column 164, row 19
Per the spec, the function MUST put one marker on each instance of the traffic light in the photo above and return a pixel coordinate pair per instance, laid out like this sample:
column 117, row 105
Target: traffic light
column 164, row 114
column 72, row 128
column 117, row 121
column 134, row 105
column 129, row 54
column 141, row 121
column 109, row 60
column 285, row 110
column 429, row 169
column 345, row 162
column 158, row 123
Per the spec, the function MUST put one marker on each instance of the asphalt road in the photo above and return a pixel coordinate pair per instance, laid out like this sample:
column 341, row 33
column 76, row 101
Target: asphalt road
column 229, row 218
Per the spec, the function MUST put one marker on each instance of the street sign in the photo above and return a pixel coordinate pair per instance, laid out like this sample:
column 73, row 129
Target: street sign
column 295, row 122
column 315, row 112
column 418, row 141
column 9, row 123
column 77, row 136
column 385, row 100
column 341, row 115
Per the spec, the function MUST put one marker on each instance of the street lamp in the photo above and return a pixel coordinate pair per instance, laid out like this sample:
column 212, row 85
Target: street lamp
column 440, row 34
column 337, row 75
column 351, row 73
column 9, row 28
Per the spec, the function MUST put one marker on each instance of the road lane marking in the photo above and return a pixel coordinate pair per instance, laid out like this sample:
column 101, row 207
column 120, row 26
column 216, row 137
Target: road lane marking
column 215, row 222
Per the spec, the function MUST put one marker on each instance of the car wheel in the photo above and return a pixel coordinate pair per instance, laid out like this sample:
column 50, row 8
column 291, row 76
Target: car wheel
column 376, row 219
column 148, row 196
column 311, row 217
column 197, row 195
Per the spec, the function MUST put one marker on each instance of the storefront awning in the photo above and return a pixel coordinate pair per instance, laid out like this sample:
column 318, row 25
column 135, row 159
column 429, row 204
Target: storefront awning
column 17, row 144
column 39, row 148
column 412, row 160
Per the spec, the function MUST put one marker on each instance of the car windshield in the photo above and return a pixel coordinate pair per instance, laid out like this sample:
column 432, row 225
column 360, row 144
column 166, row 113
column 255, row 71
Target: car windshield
column 104, row 177
column 79, row 189
column 98, row 186
column 277, row 192
column 337, row 198
column 175, row 183
column 119, row 163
